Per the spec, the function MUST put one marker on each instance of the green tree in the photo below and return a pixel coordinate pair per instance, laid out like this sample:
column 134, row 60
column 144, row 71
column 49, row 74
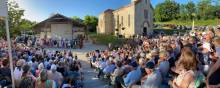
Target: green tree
column 158, row 14
column 190, row 9
column 76, row 18
column 2, row 27
column 16, row 23
column 166, row 11
column 26, row 24
column 15, row 14
column 205, row 9
column 183, row 15
column 216, row 7
column 91, row 22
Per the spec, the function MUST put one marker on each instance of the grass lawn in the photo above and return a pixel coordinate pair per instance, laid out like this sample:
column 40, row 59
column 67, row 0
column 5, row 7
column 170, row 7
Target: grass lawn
column 210, row 22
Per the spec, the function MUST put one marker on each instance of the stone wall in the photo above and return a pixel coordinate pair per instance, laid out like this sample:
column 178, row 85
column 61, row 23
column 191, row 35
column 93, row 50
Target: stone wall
column 124, row 21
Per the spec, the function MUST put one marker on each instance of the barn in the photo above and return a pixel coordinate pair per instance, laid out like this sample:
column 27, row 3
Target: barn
column 59, row 27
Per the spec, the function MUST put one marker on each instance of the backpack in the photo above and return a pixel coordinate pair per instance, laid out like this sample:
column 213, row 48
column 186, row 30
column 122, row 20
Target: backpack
column 26, row 82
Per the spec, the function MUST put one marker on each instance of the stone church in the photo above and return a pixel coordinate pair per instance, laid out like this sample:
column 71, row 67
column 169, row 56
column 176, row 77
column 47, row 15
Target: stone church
column 127, row 21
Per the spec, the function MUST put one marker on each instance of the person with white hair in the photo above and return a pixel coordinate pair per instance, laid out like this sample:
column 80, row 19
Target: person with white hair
column 54, row 75
column 110, row 66
column 163, row 64
column 40, row 67
column 205, row 58
column 18, row 71
column 217, row 30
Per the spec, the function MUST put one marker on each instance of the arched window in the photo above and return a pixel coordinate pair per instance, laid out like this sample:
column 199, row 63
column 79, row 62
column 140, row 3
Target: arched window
column 121, row 20
column 117, row 21
column 145, row 14
column 129, row 20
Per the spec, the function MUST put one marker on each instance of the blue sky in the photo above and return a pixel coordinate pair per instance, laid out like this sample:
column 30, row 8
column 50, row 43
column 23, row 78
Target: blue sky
column 38, row 10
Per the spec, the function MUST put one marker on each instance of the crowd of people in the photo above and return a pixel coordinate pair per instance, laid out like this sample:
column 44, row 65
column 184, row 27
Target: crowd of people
column 50, row 42
column 189, row 61
column 162, row 61
column 63, row 43
column 39, row 68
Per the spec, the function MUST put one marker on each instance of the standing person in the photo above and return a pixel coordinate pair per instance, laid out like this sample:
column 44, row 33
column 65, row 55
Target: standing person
column 40, row 67
column 186, row 68
column 80, row 43
column 213, row 77
column 163, row 64
column 44, row 82
column 206, row 51
column 5, row 73
column 54, row 75
column 27, row 79
column 217, row 31
column 18, row 71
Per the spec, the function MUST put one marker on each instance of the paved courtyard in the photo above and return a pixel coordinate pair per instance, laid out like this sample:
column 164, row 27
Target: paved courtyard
column 89, row 75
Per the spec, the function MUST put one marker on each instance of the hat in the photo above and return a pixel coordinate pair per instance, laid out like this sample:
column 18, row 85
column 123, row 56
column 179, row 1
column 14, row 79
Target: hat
column 150, row 65
column 133, row 64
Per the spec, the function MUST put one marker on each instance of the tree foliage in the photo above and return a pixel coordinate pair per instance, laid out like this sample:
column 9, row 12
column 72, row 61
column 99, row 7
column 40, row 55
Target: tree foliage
column 15, row 14
column 171, row 10
column 91, row 22
column 16, row 23
column 167, row 10
column 26, row 25
column 76, row 18
column 190, row 9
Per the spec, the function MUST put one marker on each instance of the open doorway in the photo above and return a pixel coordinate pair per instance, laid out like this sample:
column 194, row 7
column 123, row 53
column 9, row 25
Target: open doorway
column 144, row 31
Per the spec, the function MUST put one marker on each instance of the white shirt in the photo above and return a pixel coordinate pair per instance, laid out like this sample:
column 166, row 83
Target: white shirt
column 17, row 73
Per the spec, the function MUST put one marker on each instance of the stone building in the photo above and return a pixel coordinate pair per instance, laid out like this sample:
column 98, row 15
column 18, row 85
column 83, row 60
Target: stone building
column 59, row 27
column 133, row 19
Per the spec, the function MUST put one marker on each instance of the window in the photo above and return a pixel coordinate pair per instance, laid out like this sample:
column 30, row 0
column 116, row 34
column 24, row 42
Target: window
column 146, row 1
column 129, row 20
column 145, row 14
column 118, row 21
column 121, row 20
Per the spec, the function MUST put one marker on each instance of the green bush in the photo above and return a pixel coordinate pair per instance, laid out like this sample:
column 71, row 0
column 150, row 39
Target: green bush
column 105, row 39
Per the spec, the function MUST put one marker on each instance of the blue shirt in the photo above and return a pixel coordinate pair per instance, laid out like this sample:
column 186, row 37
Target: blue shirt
column 218, row 51
column 109, row 69
column 132, row 77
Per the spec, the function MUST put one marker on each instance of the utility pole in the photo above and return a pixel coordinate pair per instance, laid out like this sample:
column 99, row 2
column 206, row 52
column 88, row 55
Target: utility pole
column 5, row 16
column 193, row 22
